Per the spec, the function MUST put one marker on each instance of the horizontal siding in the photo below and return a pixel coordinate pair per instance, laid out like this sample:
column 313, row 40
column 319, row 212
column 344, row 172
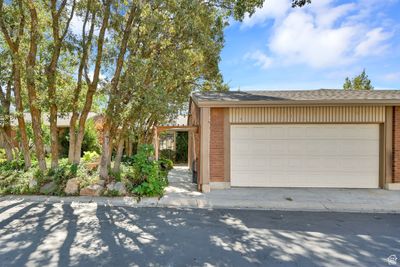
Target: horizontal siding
column 334, row 114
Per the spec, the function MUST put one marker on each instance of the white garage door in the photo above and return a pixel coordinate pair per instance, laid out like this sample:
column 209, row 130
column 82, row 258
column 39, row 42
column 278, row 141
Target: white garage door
column 341, row 155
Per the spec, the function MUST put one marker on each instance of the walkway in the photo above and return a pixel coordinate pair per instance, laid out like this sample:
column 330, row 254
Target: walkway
column 182, row 193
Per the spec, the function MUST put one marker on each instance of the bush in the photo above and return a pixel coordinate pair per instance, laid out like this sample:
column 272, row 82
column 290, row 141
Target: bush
column 148, row 176
column 128, row 160
column 166, row 164
column 90, row 140
column 2, row 155
column 16, row 164
column 90, row 156
column 168, row 154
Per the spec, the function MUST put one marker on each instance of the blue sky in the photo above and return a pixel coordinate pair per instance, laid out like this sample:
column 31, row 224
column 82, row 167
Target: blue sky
column 314, row 47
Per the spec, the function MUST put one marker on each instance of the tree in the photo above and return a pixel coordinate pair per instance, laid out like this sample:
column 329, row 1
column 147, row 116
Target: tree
column 58, row 16
column 94, row 9
column 15, row 18
column 360, row 82
column 35, row 108
column 154, row 53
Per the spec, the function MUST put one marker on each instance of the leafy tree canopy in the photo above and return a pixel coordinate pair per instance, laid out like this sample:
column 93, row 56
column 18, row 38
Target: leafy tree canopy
column 359, row 82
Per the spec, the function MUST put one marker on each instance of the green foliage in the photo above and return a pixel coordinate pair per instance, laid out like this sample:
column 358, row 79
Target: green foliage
column 166, row 164
column 111, row 193
column 116, row 176
column 91, row 138
column 181, row 147
column 13, row 178
column 90, row 156
column 148, row 173
column 128, row 160
column 16, row 164
column 168, row 154
column 86, row 176
column 360, row 82
column 2, row 155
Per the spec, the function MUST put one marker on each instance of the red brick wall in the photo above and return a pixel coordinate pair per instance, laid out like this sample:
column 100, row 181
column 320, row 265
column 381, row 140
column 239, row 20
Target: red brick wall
column 217, row 145
column 396, row 145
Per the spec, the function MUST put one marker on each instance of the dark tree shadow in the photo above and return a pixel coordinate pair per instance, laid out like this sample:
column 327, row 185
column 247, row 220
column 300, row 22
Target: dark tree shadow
column 121, row 236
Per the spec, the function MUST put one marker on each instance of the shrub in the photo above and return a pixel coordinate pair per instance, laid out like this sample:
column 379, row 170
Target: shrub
column 181, row 147
column 16, row 164
column 86, row 176
column 168, row 154
column 128, row 160
column 166, row 164
column 147, row 173
column 91, row 138
column 90, row 156
column 2, row 155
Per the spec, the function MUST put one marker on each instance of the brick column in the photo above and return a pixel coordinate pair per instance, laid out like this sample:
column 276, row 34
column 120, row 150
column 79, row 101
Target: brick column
column 217, row 145
column 396, row 145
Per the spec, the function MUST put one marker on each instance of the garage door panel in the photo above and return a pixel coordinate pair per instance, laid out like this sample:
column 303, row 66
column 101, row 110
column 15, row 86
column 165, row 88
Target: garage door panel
column 305, row 155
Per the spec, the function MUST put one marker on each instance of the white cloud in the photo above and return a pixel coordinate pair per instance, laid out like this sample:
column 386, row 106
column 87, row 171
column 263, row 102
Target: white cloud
column 272, row 9
column 373, row 44
column 299, row 40
column 323, row 34
column 260, row 59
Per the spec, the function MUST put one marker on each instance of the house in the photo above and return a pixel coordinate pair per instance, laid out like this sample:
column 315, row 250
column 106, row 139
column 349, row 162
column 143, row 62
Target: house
column 62, row 123
column 313, row 138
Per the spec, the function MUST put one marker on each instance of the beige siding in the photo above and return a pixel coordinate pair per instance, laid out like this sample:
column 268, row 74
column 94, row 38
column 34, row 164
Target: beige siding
column 317, row 114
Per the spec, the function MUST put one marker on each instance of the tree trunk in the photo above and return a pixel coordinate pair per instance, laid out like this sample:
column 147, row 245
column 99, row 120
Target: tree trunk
column 72, row 138
column 5, row 140
column 105, row 151
column 20, row 117
column 31, row 87
column 82, row 123
column 5, row 130
column 51, row 78
column 118, row 156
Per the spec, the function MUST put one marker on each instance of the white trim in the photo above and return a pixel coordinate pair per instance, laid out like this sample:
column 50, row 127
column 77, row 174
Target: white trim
column 392, row 186
column 220, row 185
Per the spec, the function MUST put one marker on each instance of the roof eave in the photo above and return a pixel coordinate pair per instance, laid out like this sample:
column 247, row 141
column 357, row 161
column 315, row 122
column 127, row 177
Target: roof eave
column 241, row 103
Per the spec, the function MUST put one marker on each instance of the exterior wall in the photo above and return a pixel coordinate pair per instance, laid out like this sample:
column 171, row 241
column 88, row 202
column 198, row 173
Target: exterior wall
column 214, row 137
column 217, row 160
column 315, row 114
column 396, row 145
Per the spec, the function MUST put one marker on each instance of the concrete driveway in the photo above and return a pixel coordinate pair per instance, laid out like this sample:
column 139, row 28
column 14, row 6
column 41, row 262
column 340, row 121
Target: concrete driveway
column 90, row 234
column 182, row 193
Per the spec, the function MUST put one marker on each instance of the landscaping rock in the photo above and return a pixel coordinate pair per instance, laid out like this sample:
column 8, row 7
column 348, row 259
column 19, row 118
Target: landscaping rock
column 72, row 187
column 101, row 182
column 119, row 186
column 32, row 183
column 92, row 190
column 48, row 188
column 110, row 186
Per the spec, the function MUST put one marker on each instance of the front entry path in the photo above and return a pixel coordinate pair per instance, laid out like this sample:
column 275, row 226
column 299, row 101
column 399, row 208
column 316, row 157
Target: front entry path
column 182, row 193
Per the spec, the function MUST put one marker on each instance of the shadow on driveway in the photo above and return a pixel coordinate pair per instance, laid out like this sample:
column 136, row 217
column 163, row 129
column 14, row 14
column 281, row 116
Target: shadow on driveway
column 93, row 235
